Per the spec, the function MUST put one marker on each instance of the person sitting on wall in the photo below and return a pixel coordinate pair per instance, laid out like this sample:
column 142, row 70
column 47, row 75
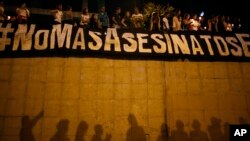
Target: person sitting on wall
column 2, row 16
column 23, row 14
column 137, row 18
column 116, row 19
column 57, row 14
column 103, row 18
column 85, row 18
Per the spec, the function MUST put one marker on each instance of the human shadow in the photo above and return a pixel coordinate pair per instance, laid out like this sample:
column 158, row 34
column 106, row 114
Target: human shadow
column 62, row 129
column 164, row 136
column 196, row 133
column 28, row 124
column 226, row 131
column 214, row 130
column 81, row 131
column 179, row 134
column 98, row 134
column 135, row 132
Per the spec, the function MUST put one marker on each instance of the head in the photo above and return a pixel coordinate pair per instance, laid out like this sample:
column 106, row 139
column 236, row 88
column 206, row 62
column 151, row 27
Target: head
column 118, row 10
column 63, row 126
column 68, row 8
column 127, row 14
column 194, row 16
column 132, row 120
column 136, row 10
column 196, row 124
column 82, row 128
column 179, row 125
column 98, row 129
column 186, row 16
column 103, row 9
column 178, row 12
column 85, row 11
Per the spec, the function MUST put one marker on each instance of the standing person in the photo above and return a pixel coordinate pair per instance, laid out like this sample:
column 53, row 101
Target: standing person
column 23, row 14
column 215, row 21
column 177, row 21
column 2, row 16
column 194, row 23
column 116, row 19
column 85, row 18
column 186, row 22
column 126, row 20
column 137, row 18
column 57, row 14
column 94, row 24
column 155, row 22
column 68, row 15
column 166, row 26
column 103, row 18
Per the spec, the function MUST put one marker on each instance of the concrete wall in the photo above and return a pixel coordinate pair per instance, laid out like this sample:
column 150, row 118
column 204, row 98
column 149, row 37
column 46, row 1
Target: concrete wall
column 115, row 93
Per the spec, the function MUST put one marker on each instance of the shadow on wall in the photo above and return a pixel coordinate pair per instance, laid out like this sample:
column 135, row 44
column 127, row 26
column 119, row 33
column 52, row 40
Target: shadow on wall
column 28, row 124
column 98, row 134
column 179, row 134
column 164, row 136
column 62, row 129
column 216, row 131
column 81, row 131
column 135, row 132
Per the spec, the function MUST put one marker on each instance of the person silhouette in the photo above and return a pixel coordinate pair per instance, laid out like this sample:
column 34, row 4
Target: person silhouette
column 196, row 134
column 98, row 133
column 164, row 136
column 28, row 124
column 179, row 134
column 135, row 132
column 81, row 131
column 215, row 130
column 62, row 129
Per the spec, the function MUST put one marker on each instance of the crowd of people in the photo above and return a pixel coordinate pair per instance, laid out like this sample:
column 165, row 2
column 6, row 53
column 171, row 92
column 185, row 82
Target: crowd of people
column 177, row 21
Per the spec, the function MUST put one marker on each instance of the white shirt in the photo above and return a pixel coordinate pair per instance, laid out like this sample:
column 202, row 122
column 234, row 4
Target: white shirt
column 137, row 16
column 165, row 23
column 194, row 24
column 58, row 16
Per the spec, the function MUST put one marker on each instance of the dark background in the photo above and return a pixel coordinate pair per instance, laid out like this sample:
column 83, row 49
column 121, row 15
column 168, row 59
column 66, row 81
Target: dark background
column 234, row 8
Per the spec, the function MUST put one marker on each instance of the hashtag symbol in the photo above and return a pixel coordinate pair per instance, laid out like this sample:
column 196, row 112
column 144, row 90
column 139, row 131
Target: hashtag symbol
column 4, row 40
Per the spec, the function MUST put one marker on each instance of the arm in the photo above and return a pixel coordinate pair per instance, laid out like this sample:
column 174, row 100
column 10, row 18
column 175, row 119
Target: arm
column 36, row 118
column 123, row 22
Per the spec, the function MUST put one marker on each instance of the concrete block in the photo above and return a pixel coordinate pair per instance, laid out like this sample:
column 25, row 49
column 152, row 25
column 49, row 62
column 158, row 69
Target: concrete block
column 222, row 85
column 210, row 102
column 52, row 108
column 177, row 70
column 35, row 90
column 122, row 63
column 192, row 70
column 122, row 91
column 195, row 102
column 71, row 75
column 234, row 70
column 53, row 90
column 139, row 91
column 6, row 61
column 69, row 108
column 56, row 62
column 245, row 85
column 105, row 75
column 70, row 91
column 54, row 74
column 220, row 70
column 89, row 62
column 105, row 63
column 181, row 87
column 106, row 110
column 38, row 73
column 33, row 107
column 87, row 109
column 246, row 70
column 2, row 106
column 105, row 91
column 21, row 61
column 14, row 107
column 206, row 69
column 208, row 85
column 122, row 75
column 138, row 74
column 180, row 102
column 20, row 73
column 235, row 85
column 5, row 89
column 157, row 91
column 138, row 63
column 39, row 61
column 5, row 72
column 12, row 126
column 171, row 86
column 194, row 86
column 155, row 108
column 89, row 75
column 155, row 64
column 17, row 90
column 73, row 62
column 88, row 91
column 155, row 76
column 10, row 138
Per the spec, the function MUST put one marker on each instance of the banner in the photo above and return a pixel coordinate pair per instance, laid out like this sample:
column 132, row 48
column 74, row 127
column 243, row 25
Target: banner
column 65, row 40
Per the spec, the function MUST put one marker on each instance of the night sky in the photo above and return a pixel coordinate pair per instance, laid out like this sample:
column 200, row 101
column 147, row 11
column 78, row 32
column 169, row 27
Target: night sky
column 227, row 7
